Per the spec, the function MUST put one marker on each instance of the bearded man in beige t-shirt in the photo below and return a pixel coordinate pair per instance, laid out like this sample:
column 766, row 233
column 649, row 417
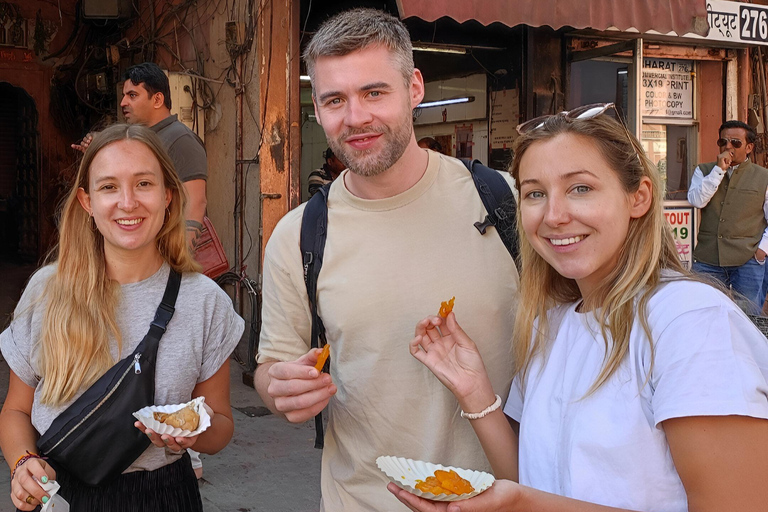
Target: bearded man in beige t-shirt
column 400, row 240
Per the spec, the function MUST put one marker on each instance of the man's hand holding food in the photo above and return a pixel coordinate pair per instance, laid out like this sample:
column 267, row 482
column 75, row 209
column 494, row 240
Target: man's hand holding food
column 299, row 390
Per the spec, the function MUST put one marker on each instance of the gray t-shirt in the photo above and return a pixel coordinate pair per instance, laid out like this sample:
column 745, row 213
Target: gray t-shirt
column 184, row 147
column 201, row 336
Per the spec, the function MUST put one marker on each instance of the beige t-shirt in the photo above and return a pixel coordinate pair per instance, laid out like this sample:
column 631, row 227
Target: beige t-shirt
column 387, row 264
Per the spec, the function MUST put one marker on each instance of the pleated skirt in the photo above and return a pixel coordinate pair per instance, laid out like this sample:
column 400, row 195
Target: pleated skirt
column 172, row 488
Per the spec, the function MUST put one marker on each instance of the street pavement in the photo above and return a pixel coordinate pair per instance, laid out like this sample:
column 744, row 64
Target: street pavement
column 269, row 466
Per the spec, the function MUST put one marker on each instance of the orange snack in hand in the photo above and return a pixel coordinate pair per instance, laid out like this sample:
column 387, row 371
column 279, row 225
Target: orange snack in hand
column 445, row 482
column 453, row 482
column 323, row 357
column 446, row 308
column 431, row 485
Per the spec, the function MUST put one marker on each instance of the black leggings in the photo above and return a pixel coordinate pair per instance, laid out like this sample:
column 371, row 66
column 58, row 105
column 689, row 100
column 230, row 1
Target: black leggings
column 172, row 488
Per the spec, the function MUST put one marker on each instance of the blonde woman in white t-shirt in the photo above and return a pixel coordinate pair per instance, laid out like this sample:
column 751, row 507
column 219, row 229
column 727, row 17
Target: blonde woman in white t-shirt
column 636, row 387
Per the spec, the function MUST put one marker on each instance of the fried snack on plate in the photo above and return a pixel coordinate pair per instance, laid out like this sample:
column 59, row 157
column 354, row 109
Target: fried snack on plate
column 185, row 419
column 408, row 473
column 444, row 482
column 446, row 308
column 323, row 357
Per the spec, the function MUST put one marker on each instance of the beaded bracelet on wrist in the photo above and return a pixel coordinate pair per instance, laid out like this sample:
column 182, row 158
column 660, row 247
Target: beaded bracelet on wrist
column 485, row 412
column 21, row 460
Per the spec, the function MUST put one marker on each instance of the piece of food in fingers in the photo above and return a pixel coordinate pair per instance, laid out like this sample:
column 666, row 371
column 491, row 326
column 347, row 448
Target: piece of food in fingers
column 446, row 308
column 185, row 419
column 323, row 357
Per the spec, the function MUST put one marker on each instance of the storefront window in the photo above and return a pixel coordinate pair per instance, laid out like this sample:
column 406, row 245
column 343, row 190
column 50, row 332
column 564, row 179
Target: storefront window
column 600, row 81
column 671, row 148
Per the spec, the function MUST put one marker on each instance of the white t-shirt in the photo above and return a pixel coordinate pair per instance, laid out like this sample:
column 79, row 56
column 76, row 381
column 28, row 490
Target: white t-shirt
column 610, row 448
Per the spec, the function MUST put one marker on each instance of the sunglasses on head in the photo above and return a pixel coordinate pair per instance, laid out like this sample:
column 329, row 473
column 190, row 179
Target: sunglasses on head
column 736, row 143
column 583, row 112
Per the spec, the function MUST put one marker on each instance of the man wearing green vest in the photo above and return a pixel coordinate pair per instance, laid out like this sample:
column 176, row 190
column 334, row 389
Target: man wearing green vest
column 733, row 196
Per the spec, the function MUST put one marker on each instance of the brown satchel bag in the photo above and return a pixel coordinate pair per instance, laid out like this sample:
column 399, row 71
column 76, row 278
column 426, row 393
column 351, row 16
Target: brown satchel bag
column 208, row 251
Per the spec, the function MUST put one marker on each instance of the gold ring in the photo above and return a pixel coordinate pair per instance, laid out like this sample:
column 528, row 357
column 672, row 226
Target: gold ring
column 30, row 499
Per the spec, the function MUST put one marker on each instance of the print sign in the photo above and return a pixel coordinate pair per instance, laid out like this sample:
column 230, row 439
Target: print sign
column 667, row 88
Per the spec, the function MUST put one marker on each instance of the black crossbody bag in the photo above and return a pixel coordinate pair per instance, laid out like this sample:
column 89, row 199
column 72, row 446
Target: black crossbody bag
column 94, row 439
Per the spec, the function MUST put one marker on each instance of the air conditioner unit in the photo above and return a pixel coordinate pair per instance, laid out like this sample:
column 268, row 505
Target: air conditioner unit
column 182, row 104
column 107, row 9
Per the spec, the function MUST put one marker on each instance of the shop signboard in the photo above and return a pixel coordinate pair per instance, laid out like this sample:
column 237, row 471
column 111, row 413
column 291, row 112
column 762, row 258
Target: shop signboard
column 681, row 219
column 667, row 88
column 737, row 22
column 505, row 115
column 732, row 22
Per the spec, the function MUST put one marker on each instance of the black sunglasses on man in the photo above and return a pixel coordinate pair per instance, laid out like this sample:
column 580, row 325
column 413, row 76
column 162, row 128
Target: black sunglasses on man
column 736, row 143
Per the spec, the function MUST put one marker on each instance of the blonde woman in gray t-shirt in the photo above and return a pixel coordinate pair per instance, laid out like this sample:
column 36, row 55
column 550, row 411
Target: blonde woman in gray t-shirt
column 122, row 231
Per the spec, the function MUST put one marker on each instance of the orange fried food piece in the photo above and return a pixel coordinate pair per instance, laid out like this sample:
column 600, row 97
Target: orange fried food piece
column 446, row 308
column 453, row 482
column 185, row 419
column 445, row 482
column 323, row 357
column 431, row 485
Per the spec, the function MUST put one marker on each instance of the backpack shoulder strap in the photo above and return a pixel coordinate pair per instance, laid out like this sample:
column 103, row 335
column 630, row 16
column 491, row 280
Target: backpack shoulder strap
column 314, row 225
column 499, row 203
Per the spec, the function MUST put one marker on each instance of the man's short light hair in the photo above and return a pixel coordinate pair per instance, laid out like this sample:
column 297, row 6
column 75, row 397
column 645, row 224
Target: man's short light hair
column 357, row 29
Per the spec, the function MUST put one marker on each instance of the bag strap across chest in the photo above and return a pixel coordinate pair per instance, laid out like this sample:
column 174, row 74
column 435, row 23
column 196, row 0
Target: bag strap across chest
column 94, row 437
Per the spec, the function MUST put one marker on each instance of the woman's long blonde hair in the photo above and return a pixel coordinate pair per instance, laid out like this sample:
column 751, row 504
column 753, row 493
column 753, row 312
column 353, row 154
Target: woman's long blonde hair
column 80, row 299
column 648, row 249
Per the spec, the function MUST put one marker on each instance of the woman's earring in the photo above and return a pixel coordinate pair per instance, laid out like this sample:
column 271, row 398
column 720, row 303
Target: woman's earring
column 167, row 216
column 93, row 222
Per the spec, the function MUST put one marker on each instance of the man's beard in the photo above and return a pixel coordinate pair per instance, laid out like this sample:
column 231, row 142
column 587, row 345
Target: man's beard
column 371, row 163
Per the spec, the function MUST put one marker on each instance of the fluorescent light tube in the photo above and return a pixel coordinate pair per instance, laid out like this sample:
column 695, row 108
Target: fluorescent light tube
column 440, row 103
column 439, row 49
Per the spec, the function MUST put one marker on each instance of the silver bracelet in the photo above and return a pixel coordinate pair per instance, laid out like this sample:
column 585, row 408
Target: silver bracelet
column 485, row 412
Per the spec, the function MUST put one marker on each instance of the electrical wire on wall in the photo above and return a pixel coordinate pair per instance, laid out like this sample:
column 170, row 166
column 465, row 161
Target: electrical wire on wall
column 188, row 20
column 175, row 34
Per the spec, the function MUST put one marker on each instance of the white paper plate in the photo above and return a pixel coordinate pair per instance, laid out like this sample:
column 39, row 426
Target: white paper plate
column 405, row 472
column 146, row 416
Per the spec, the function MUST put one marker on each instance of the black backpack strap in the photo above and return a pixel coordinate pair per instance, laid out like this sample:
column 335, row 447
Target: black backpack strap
column 314, row 224
column 499, row 203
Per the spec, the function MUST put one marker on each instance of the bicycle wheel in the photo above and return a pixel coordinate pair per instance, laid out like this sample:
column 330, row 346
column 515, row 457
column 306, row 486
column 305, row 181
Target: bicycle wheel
column 246, row 301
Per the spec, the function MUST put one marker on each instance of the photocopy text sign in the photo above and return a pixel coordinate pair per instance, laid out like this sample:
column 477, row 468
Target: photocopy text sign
column 667, row 88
